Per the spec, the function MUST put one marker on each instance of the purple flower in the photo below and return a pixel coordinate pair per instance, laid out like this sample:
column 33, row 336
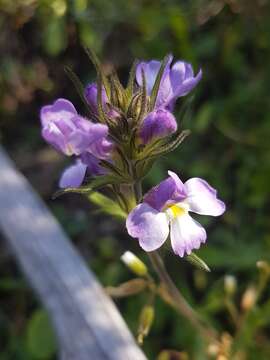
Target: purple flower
column 74, row 174
column 157, row 124
column 176, row 81
column 165, row 210
column 72, row 134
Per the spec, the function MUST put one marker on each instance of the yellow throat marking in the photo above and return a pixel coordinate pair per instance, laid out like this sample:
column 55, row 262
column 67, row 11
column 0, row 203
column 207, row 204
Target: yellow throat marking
column 177, row 211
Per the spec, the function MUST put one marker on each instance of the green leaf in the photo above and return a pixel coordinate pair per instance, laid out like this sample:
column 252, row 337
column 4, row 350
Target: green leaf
column 197, row 261
column 40, row 337
column 107, row 205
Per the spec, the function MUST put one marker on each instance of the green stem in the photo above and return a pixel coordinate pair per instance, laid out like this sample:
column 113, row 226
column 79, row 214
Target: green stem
column 179, row 301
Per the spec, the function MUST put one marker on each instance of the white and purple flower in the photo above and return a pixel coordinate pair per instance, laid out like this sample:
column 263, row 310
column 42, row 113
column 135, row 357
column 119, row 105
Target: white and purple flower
column 165, row 209
column 176, row 81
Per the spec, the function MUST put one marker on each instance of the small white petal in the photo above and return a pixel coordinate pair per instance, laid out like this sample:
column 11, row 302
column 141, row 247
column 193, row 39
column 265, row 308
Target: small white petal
column 186, row 234
column 202, row 198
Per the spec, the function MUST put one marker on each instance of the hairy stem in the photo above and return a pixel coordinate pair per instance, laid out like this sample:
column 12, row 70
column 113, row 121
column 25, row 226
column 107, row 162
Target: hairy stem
column 179, row 302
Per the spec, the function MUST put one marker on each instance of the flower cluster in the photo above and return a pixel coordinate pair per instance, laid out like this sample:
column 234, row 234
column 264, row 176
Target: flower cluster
column 125, row 131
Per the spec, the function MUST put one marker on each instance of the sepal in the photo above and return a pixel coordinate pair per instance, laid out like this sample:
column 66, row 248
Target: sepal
column 97, row 183
column 80, row 90
column 131, row 79
column 198, row 262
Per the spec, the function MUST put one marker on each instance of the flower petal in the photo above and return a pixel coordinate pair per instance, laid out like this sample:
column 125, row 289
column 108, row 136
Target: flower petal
column 151, row 69
column 157, row 124
column 60, row 109
column 148, row 225
column 183, row 79
column 169, row 191
column 202, row 198
column 92, row 162
column 186, row 234
column 73, row 175
column 180, row 185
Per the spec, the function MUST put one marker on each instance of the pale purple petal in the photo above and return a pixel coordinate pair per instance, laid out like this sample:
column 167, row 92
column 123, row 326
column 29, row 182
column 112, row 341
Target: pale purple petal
column 149, row 226
column 186, row 235
column 202, row 198
column 52, row 134
column 157, row 124
column 60, row 109
column 179, row 184
column 73, row 175
column 176, row 81
column 102, row 149
column 151, row 69
column 72, row 134
column 182, row 78
column 93, row 166
column 168, row 192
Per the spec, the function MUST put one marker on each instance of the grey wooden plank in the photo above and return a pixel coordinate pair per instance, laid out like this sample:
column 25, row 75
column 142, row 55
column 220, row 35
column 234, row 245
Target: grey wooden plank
column 87, row 323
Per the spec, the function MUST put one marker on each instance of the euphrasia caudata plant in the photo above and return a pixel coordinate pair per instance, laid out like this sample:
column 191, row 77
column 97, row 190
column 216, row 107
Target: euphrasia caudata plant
column 126, row 130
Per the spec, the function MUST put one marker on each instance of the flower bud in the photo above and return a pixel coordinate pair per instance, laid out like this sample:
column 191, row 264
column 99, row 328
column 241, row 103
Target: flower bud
column 157, row 124
column 134, row 263
column 145, row 322
column 91, row 95
column 230, row 284
column 249, row 298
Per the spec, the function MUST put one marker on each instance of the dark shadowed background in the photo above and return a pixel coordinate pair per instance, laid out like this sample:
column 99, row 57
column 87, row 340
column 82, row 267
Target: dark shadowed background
column 229, row 147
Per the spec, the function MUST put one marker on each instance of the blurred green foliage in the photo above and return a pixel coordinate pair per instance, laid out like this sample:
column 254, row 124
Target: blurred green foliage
column 229, row 146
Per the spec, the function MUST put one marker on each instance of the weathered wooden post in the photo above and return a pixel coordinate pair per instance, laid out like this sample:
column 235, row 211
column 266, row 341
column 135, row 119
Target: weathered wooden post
column 87, row 323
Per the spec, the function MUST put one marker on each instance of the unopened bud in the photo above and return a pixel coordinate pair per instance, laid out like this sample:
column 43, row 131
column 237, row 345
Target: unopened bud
column 134, row 263
column 230, row 284
column 145, row 322
column 249, row 298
